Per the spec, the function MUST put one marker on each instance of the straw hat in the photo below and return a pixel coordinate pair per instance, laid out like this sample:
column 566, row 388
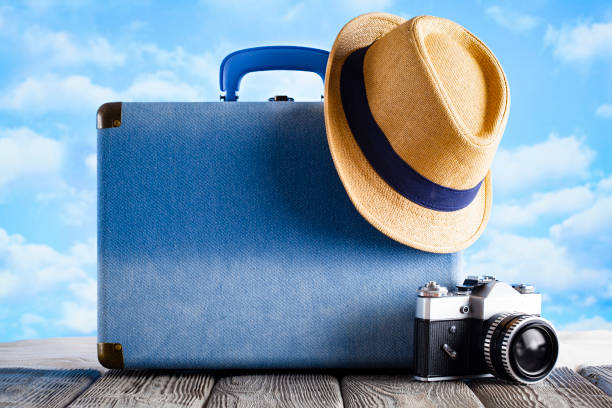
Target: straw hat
column 414, row 112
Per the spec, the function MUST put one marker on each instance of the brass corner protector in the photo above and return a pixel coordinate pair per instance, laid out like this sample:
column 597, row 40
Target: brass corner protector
column 109, row 115
column 110, row 355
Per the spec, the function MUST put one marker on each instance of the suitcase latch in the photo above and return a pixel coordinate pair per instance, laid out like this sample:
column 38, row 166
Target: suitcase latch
column 280, row 98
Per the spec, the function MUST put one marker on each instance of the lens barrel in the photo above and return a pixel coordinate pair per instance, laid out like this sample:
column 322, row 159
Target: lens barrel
column 520, row 347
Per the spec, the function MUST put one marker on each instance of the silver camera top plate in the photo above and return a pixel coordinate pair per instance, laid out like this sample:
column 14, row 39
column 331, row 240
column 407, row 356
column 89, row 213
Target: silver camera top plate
column 484, row 301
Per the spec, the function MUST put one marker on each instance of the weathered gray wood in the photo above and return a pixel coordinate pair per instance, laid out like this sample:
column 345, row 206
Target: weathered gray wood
column 50, row 388
column 147, row 389
column 29, row 388
column 276, row 390
column 66, row 352
column 564, row 388
column 601, row 376
column 402, row 391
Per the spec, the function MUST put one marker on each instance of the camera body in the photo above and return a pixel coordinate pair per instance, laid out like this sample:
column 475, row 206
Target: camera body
column 485, row 328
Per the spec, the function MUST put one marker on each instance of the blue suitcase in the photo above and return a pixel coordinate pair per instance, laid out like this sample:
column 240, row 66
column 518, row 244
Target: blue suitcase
column 226, row 239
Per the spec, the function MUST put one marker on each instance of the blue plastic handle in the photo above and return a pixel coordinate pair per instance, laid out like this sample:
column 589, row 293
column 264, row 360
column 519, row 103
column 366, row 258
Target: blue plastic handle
column 239, row 63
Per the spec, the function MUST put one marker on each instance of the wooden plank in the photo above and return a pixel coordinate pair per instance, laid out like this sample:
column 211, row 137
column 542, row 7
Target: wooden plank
column 600, row 376
column 147, row 389
column 58, row 353
column 403, row 391
column 563, row 388
column 276, row 390
column 29, row 388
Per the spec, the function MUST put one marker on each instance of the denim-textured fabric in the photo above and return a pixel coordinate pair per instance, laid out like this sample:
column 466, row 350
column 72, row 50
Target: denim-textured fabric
column 226, row 240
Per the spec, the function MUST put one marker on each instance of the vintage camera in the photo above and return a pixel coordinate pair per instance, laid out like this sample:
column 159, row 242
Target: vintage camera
column 485, row 328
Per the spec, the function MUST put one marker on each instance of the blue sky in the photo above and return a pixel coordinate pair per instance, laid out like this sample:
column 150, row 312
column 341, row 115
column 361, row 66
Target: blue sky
column 551, row 223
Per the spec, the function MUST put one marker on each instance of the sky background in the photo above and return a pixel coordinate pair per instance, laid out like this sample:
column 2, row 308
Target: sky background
column 551, row 222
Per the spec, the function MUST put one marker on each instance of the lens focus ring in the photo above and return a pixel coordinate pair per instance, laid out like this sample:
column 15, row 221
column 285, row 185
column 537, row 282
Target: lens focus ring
column 489, row 340
column 504, row 349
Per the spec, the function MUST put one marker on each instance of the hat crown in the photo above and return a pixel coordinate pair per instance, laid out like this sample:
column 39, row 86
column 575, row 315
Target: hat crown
column 414, row 111
column 440, row 97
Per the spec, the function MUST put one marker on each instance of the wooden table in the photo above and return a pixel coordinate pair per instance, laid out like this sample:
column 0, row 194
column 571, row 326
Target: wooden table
column 64, row 372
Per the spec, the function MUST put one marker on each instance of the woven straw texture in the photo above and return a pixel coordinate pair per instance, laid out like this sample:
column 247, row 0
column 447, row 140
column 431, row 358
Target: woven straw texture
column 441, row 98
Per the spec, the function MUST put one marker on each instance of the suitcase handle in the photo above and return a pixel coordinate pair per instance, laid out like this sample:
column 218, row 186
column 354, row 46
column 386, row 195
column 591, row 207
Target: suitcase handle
column 239, row 63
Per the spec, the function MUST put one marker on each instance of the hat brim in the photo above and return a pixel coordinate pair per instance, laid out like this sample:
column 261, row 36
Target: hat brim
column 388, row 211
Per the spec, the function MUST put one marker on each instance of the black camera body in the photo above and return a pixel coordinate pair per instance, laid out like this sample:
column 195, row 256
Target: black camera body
column 485, row 328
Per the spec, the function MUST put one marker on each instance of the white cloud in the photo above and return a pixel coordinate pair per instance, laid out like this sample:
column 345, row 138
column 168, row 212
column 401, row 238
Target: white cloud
column 205, row 66
column 34, row 268
column 526, row 167
column 8, row 283
column 86, row 291
column 567, row 304
column 53, row 93
column 28, row 320
column 85, row 253
column 81, row 315
column 28, row 270
column 78, row 206
column 582, row 42
column 605, row 185
column 512, row 20
column 592, row 223
column 182, row 77
column 539, row 261
column 91, row 161
column 560, row 202
column 60, row 48
column 574, row 255
column 592, row 323
column 79, row 318
column 605, row 111
column 581, row 301
column 173, row 75
column 77, row 93
column 162, row 85
column 24, row 153
column 201, row 69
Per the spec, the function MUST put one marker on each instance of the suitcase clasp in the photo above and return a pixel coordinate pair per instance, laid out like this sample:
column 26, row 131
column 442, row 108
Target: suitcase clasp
column 280, row 98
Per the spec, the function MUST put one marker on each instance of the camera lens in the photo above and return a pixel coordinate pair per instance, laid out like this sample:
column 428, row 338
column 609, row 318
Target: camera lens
column 520, row 347
column 532, row 350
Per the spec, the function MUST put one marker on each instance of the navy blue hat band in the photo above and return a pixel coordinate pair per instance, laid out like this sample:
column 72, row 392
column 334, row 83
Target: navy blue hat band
column 379, row 152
